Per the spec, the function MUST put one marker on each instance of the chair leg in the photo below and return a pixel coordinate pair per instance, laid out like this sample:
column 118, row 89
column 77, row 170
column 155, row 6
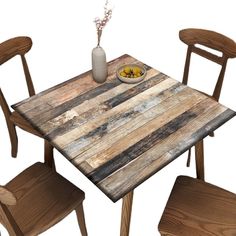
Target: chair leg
column 81, row 220
column 48, row 155
column 189, row 158
column 13, row 138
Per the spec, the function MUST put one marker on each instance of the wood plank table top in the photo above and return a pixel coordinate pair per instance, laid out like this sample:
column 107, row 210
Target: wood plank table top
column 118, row 134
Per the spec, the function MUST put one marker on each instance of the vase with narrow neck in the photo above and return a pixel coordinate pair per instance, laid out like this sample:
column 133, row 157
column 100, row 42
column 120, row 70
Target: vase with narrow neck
column 99, row 64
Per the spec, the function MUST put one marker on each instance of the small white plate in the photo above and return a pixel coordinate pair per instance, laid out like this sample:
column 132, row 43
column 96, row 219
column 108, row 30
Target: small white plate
column 131, row 80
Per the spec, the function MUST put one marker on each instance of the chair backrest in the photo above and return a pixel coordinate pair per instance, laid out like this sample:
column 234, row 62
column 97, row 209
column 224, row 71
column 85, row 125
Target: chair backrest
column 212, row 40
column 18, row 46
column 9, row 49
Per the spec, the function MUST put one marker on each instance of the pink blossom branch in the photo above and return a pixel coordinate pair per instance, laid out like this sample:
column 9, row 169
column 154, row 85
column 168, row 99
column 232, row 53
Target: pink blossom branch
column 101, row 23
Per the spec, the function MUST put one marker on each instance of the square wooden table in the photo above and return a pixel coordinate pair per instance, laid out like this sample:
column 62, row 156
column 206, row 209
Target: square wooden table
column 118, row 134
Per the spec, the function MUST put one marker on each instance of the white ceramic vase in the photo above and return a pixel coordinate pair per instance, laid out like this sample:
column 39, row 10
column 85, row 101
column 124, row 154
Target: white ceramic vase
column 99, row 65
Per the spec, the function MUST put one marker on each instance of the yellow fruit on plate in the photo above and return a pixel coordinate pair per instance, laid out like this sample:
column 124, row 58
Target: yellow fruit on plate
column 131, row 72
column 123, row 74
column 127, row 70
column 136, row 70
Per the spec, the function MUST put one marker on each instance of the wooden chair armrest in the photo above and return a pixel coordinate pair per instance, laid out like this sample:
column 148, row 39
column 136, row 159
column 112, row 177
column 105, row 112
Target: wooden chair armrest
column 6, row 196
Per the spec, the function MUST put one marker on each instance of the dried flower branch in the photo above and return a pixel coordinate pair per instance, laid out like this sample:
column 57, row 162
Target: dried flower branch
column 101, row 23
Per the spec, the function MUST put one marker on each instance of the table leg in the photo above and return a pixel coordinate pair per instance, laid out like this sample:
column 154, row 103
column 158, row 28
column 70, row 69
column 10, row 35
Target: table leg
column 126, row 214
column 199, row 156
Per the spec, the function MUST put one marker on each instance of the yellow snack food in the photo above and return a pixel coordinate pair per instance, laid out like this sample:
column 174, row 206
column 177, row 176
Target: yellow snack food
column 127, row 70
column 131, row 72
column 122, row 73
column 136, row 70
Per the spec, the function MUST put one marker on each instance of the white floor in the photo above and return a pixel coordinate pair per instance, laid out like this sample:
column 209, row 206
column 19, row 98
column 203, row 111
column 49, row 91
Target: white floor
column 64, row 35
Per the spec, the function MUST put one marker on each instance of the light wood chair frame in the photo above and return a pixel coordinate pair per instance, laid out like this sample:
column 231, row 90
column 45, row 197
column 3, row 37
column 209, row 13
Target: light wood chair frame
column 9, row 49
column 196, row 207
column 208, row 39
column 8, row 199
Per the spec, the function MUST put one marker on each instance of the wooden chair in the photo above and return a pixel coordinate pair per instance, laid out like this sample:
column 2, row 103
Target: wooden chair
column 9, row 49
column 210, row 40
column 198, row 208
column 37, row 199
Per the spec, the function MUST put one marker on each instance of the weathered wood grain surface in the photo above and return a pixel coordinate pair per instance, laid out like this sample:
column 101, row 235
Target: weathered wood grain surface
column 120, row 134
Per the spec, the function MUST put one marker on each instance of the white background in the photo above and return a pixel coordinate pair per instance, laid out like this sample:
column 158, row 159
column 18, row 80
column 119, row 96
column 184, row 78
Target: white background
column 63, row 35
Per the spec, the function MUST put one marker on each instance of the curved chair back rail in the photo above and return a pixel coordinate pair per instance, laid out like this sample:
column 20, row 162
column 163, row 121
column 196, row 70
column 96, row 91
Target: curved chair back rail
column 209, row 39
column 14, row 46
